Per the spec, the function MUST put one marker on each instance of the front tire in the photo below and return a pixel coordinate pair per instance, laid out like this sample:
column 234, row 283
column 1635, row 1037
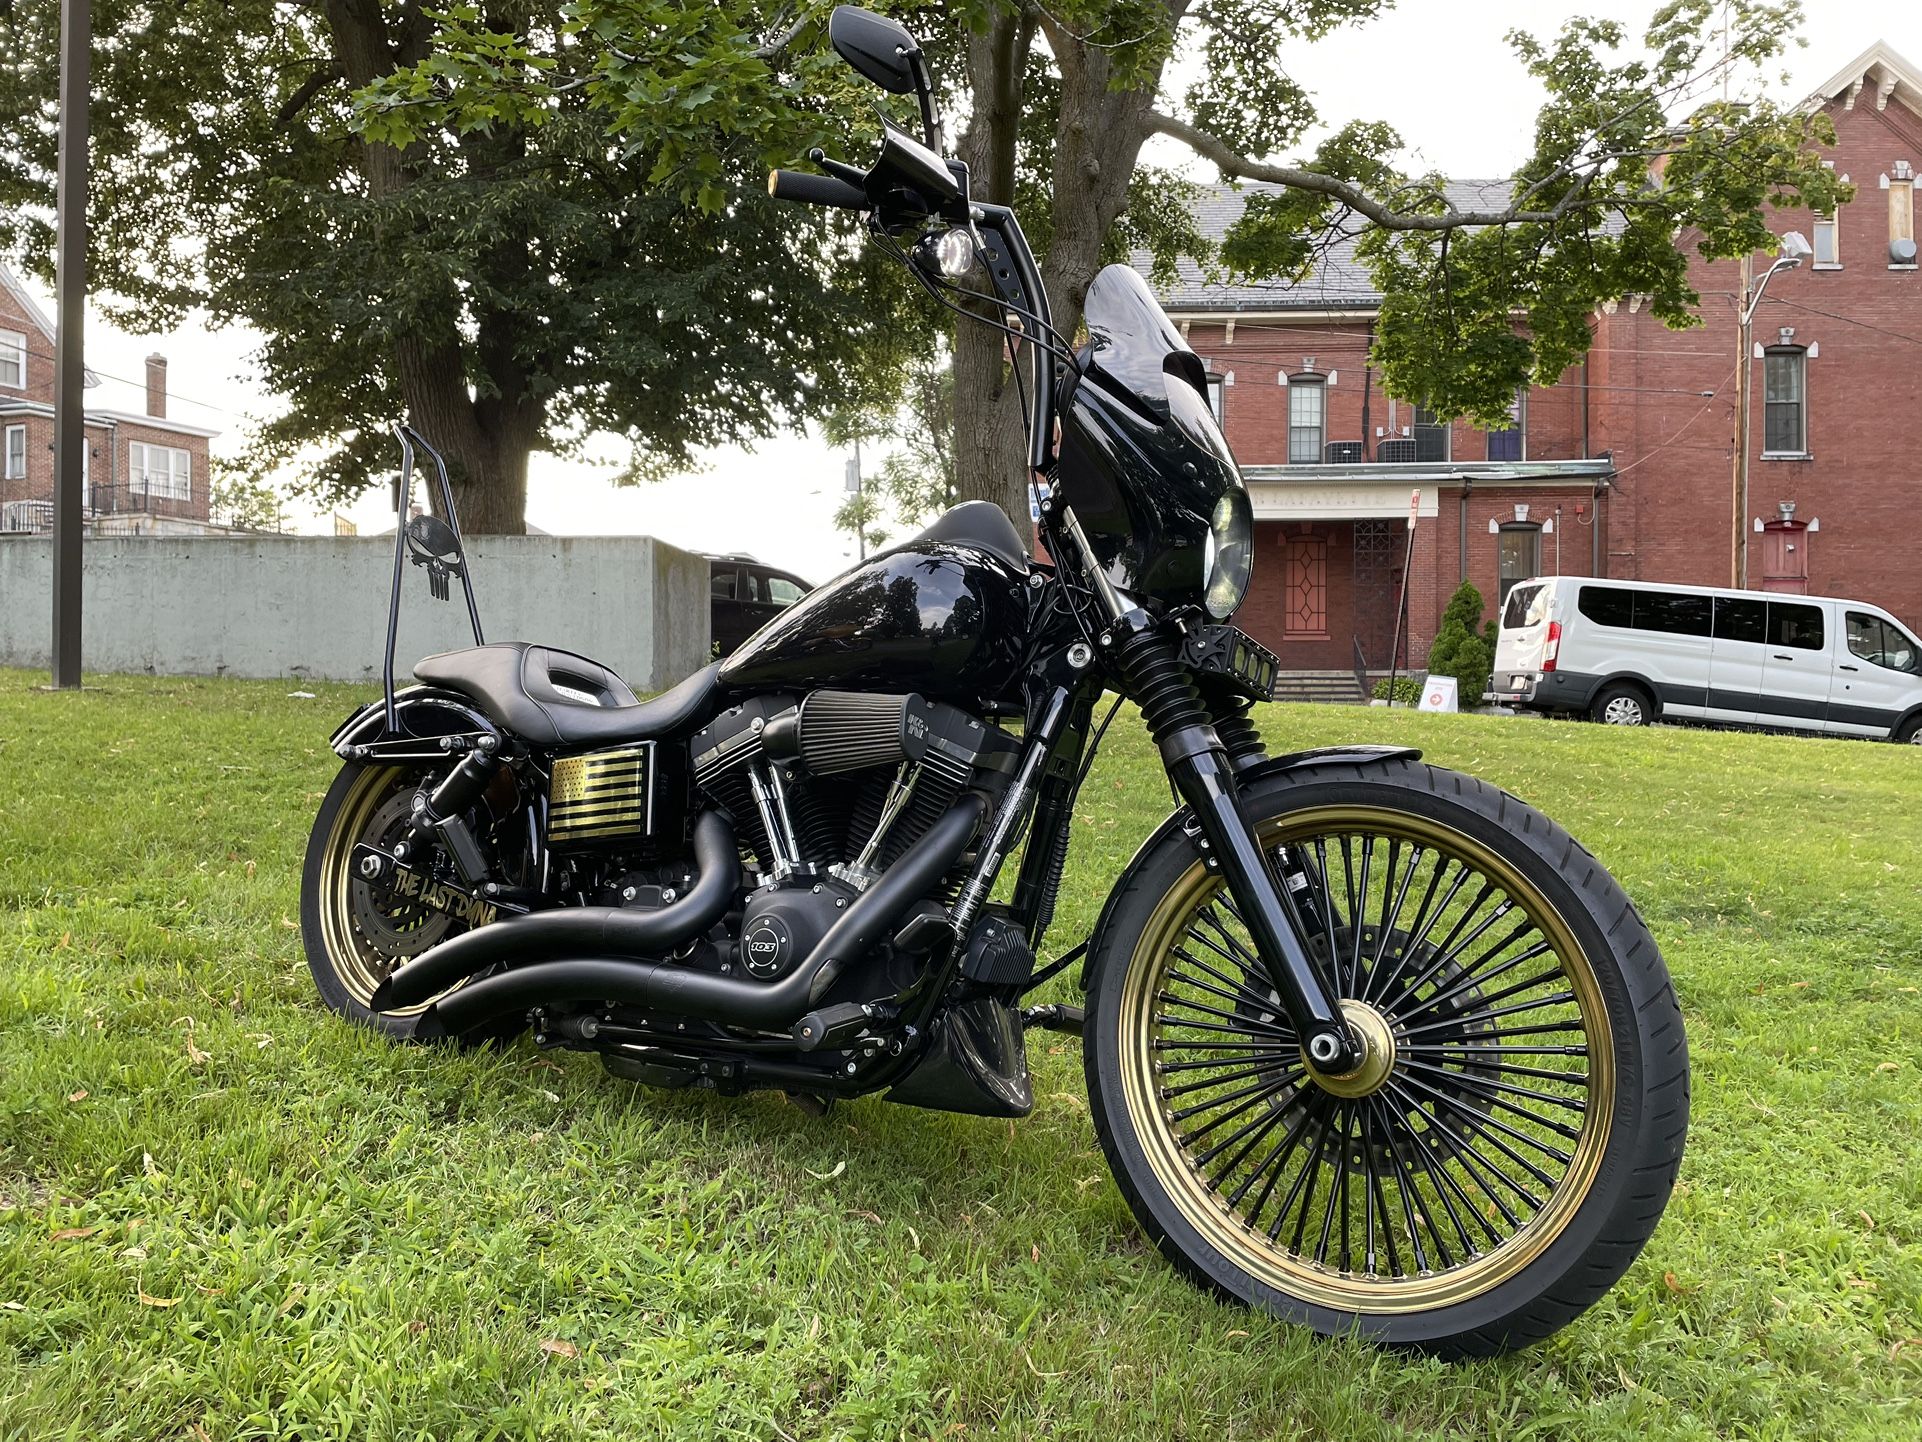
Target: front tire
column 1503, row 1156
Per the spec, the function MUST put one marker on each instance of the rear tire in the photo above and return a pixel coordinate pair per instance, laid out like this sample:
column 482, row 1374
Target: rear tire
column 1623, row 703
column 352, row 936
column 1497, row 1061
column 1909, row 733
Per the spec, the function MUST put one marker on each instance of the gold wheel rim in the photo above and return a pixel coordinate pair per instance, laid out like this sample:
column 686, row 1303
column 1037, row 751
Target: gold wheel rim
column 358, row 965
column 1409, row 1197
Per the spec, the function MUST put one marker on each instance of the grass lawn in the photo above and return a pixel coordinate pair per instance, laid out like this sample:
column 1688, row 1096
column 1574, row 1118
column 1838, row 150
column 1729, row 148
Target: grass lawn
column 223, row 1213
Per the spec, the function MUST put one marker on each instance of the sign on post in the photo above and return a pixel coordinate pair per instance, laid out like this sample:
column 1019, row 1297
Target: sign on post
column 1438, row 694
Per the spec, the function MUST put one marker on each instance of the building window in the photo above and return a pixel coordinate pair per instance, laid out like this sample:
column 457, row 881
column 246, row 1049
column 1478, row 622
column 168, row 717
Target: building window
column 1431, row 436
column 1784, row 402
column 1828, row 252
column 1510, row 443
column 1307, row 419
column 16, row 453
column 1218, row 399
column 160, row 472
column 1902, row 217
column 1519, row 557
column 13, row 359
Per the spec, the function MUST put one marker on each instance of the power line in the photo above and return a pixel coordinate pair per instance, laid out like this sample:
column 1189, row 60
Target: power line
column 173, row 395
column 1849, row 320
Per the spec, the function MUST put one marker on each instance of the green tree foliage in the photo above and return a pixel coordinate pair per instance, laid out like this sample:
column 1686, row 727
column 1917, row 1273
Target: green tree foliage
column 1463, row 647
column 1635, row 146
column 528, row 221
column 915, row 480
column 515, row 281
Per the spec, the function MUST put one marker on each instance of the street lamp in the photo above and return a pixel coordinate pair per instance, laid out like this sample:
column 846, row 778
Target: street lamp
column 1794, row 250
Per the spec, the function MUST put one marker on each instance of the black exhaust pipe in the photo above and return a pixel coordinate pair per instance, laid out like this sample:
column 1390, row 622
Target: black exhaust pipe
column 733, row 1001
column 578, row 931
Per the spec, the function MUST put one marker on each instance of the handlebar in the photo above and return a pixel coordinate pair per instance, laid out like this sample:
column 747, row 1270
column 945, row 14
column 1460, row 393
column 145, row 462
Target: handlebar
column 816, row 190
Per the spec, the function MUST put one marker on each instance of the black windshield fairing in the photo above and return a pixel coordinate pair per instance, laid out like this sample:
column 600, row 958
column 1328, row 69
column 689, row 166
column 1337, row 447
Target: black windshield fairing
column 1143, row 461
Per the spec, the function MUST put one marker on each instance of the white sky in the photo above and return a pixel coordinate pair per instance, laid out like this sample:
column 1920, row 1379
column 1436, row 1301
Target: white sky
column 1438, row 72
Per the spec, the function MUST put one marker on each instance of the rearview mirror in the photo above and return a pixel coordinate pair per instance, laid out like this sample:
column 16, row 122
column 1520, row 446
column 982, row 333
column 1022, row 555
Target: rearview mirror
column 876, row 46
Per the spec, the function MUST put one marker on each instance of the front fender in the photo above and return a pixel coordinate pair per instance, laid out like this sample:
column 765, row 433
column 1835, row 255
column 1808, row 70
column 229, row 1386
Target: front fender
column 1268, row 766
column 423, row 713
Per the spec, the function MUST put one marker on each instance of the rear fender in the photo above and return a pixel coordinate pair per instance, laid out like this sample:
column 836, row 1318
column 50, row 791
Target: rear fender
column 1182, row 819
column 425, row 715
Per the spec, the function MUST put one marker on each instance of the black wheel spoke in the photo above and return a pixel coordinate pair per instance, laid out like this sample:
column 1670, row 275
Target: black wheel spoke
column 1477, row 1018
column 1472, row 979
column 1184, row 1023
column 1337, row 1185
column 1473, row 1162
column 1253, row 1026
column 1276, row 1162
column 1262, row 1069
column 1249, row 1098
column 1482, row 1120
column 1263, row 1084
column 1482, row 1084
column 1405, row 1186
column 1183, row 1044
column 1229, row 990
column 1444, row 1184
column 1360, row 929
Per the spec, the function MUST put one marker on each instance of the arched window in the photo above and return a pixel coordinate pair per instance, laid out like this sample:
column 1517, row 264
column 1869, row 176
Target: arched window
column 1785, row 429
column 1307, row 419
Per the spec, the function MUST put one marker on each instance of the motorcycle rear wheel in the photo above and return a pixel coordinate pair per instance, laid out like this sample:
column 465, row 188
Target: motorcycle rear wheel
column 1506, row 1150
column 353, row 935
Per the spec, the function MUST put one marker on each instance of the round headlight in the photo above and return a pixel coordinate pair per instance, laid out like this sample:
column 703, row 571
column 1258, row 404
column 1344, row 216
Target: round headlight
column 1229, row 553
column 954, row 253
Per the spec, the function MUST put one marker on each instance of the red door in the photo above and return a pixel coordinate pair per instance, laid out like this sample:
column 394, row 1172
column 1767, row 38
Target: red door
column 1304, row 609
column 1785, row 557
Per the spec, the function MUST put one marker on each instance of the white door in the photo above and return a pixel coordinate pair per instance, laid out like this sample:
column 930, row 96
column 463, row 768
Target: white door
column 1523, row 635
column 1735, row 661
column 1878, row 675
column 1797, row 666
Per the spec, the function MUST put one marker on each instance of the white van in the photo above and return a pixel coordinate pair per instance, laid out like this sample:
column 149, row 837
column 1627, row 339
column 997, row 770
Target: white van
column 1630, row 652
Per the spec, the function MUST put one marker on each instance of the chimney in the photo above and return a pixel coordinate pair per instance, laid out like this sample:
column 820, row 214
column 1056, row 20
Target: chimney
column 157, row 385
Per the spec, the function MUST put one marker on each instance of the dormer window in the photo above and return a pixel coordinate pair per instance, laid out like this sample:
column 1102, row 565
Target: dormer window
column 13, row 360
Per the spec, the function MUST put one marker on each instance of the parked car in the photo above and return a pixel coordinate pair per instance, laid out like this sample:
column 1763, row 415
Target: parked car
column 746, row 595
column 1629, row 653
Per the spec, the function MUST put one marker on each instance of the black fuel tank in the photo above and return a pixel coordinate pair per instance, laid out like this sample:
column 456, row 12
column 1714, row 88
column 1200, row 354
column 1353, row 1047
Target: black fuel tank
column 943, row 619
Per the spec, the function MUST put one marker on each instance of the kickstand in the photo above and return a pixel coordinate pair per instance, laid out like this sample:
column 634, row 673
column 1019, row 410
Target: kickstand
column 811, row 1103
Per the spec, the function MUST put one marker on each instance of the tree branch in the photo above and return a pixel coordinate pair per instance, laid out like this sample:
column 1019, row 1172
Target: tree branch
column 1237, row 166
column 781, row 42
column 303, row 96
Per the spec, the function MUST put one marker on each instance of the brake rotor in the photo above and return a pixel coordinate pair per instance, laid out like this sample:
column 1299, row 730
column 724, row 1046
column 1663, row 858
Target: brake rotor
column 389, row 928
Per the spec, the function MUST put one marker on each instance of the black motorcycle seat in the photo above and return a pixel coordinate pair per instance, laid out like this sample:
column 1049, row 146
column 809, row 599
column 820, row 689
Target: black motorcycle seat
column 983, row 525
column 555, row 698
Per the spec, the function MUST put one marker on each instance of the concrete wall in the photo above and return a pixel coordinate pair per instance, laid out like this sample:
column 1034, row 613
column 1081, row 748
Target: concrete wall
column 305, row 606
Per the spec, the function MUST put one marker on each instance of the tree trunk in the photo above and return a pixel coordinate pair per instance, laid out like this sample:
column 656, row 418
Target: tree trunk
column 1097, row 140
column 989, row 443
column 487, row 435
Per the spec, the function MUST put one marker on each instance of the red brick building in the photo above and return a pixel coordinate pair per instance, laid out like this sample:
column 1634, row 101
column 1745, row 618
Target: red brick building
column 1624, row 468
column 145, row 473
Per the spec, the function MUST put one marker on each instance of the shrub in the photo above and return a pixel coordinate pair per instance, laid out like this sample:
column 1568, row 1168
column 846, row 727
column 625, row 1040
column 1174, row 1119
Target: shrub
column 1407, row 690
column 1464, row 647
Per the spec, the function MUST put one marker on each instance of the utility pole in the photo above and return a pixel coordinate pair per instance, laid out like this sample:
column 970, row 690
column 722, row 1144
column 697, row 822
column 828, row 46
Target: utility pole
column 70, row 373
column 860, row 516
column 1738, row 556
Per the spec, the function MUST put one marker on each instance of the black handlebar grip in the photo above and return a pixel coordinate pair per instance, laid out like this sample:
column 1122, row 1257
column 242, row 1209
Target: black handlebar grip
column 815, row 190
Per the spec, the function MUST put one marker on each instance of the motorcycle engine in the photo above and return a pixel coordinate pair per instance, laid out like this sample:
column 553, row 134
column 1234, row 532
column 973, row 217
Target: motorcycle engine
column 827, row 791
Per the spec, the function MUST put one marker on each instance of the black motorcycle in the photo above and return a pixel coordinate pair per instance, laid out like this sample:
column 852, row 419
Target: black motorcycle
column 1369, row 1044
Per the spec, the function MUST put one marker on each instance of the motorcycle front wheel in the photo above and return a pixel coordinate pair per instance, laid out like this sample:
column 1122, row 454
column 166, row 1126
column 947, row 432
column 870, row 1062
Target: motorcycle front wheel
column 1506, row 1149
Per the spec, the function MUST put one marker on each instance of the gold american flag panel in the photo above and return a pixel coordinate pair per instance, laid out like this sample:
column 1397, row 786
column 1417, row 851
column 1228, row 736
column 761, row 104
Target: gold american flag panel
column 598, row 795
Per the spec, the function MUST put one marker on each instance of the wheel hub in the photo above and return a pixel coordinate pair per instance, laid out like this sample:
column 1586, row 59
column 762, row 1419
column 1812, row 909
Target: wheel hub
column 1377, row 1041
